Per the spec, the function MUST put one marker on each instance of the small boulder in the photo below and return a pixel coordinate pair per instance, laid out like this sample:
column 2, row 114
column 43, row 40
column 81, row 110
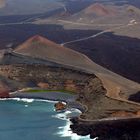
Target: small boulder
column 60, row 106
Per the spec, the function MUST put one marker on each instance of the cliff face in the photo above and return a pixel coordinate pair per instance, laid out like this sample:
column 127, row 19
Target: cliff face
column 108, row 130
column 54, row 78
column 89, row 87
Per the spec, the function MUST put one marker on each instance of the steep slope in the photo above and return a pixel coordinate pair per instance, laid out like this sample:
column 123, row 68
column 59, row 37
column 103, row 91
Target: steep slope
column 99, row 13
column 95, row 12
column 39, row 47
column 100, row 9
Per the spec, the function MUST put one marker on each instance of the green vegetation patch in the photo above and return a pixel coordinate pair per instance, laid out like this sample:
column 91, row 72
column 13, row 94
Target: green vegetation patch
column 45, row 90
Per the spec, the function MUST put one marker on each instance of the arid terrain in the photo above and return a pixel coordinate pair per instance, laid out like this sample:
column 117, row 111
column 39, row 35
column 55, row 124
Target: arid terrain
column 41, row 63
column 89, row 48
column 40, row 51
column 107, row 33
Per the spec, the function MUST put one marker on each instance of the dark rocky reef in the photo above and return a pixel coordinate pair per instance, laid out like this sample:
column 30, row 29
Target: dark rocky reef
column 123, row 129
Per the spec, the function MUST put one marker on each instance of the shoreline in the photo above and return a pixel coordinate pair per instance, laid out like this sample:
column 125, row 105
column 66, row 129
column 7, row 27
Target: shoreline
column 123, row 129
column 102, row 128
column 67, row 98
column 72, row 103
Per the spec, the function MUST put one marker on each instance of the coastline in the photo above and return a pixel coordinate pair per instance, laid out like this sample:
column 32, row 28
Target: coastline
column 122, row 129
column 101, row 128
column 68, row 98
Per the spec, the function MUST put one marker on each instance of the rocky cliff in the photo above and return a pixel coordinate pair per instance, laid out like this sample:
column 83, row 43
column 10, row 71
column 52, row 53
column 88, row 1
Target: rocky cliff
column 88, row 87
column 54, row 78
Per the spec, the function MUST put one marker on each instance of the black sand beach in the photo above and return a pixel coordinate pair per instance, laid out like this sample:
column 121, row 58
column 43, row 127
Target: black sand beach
column 70, row 99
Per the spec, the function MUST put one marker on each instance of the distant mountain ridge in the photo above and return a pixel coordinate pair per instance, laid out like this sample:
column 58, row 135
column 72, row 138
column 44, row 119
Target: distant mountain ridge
column 100, row 10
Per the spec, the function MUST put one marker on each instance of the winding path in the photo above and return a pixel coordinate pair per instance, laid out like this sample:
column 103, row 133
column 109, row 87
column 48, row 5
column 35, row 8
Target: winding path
column 85, row 24
column 100, row 33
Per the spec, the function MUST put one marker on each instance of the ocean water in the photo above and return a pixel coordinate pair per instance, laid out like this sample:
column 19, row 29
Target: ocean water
column 29, row 119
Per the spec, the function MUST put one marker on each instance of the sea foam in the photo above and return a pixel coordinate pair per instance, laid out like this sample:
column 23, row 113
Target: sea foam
column 28, row 100
column 65, row 131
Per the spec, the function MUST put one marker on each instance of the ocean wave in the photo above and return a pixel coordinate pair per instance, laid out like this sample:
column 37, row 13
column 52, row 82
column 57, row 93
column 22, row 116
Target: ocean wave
column 72, row 112
column 62, row 116
column 19, row 99
column 28, row 100
column 65, row 131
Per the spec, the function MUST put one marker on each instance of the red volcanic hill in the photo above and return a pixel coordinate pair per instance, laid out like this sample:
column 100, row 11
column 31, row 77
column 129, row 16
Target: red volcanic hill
column 42, row 48
column 100, row 10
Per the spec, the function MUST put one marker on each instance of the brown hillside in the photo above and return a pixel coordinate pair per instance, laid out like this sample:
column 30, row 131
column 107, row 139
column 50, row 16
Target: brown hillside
column 43, row 48
column 39, row 47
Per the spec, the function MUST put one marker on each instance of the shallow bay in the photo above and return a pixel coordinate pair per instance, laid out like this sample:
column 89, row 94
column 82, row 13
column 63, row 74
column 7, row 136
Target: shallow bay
column 35, row 120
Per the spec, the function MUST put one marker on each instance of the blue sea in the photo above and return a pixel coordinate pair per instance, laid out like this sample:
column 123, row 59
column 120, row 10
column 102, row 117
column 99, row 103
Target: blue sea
column 28, row 119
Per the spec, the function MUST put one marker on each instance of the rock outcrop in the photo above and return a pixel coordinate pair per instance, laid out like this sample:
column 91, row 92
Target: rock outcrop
column 122, row 129
column 60, row 106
